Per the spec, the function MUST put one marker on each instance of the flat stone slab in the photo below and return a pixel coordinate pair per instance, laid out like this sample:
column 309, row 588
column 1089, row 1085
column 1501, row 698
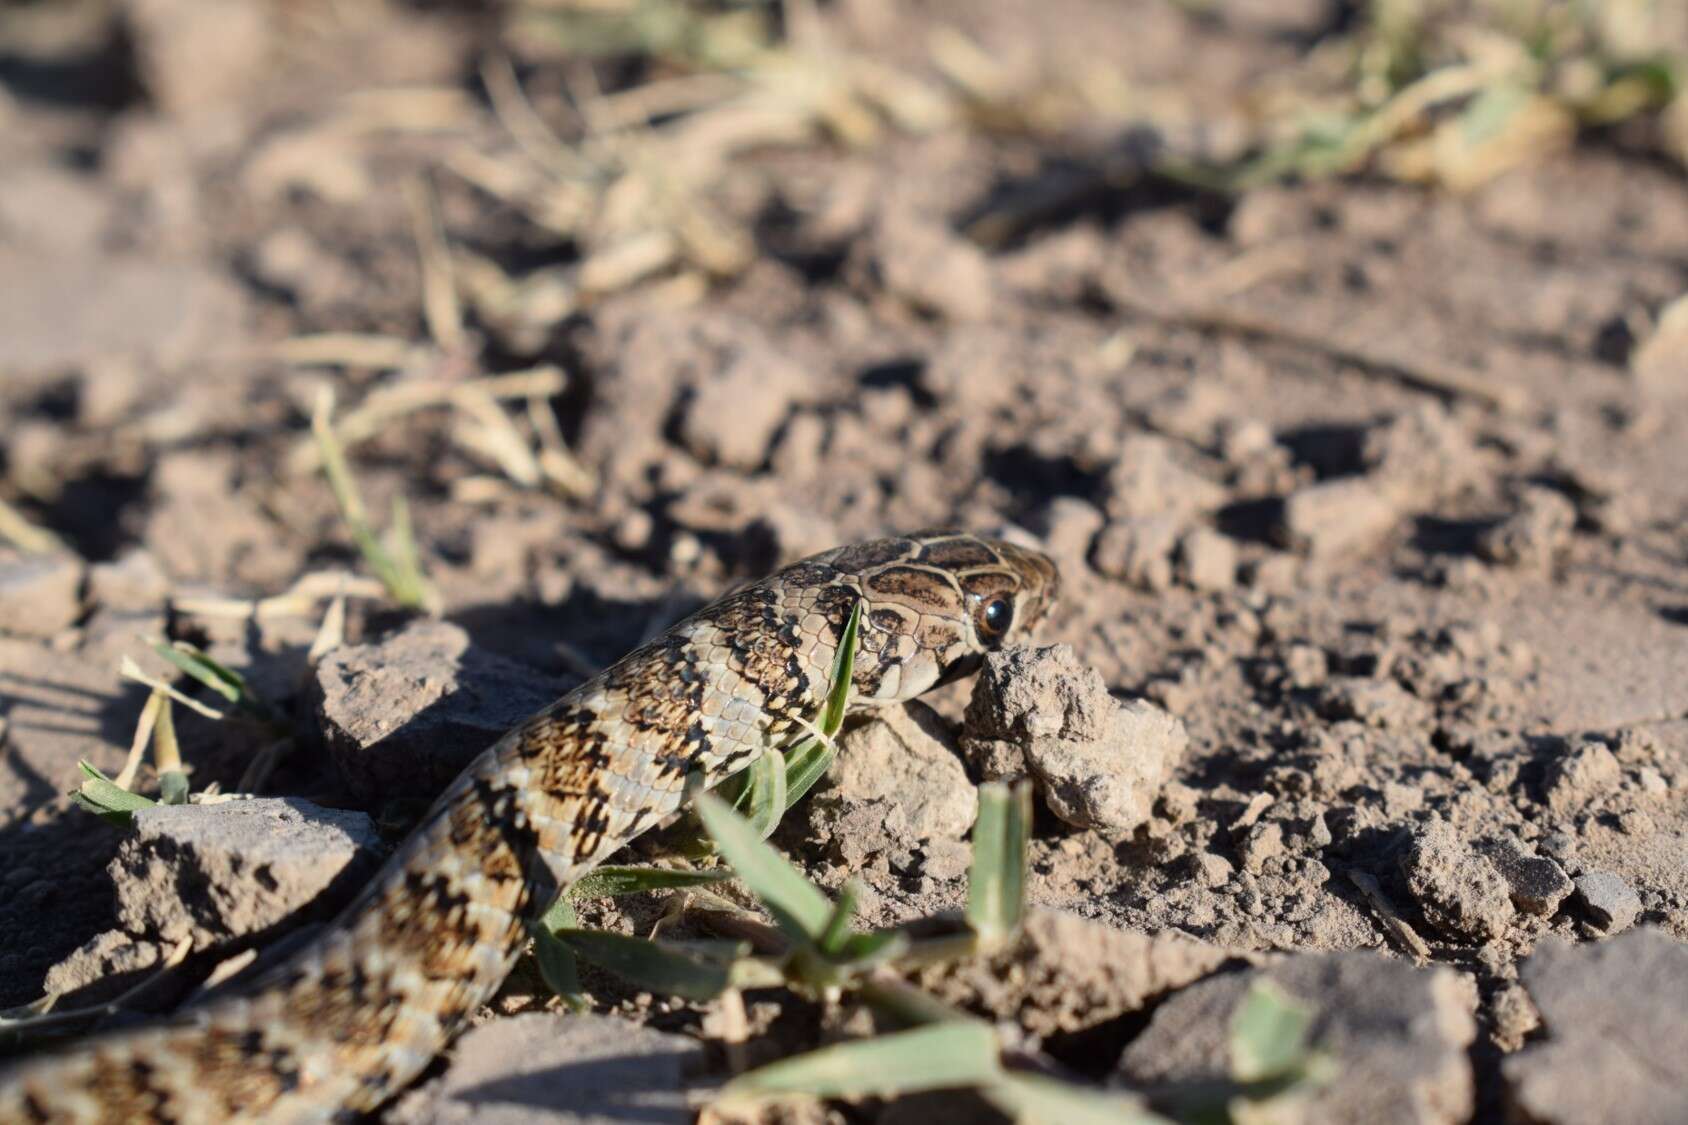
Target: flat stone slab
column 560, row 1070
column 215, row 872
column 404, row 716
column 1616, row 1020
column 1398, row 1036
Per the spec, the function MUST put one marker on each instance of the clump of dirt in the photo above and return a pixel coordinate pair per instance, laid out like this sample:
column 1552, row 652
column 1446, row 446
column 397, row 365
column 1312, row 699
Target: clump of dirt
column 1369, row 499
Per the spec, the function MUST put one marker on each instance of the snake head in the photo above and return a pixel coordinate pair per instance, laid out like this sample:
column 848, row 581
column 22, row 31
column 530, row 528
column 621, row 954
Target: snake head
column 934, row 603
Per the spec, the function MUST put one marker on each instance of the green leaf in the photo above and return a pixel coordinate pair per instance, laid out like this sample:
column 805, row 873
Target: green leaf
column 939, row 1057
column 556, row 960
column 649, row 964
column 833, row 935
column 997, row 882
column 800, row 909
column 197, row 664
column 805, row 764
column 1268, row 1033
column 173, row 787
column 608, row 882
column 1032, row 1099
column 102, row 797
column 765, row 793
column 843, row 665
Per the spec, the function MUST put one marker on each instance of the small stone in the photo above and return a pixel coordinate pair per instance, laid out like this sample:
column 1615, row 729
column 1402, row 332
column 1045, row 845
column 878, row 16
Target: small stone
column 112, row 954
column 1397, row 1036
column 1459, row 891
column 1215, row 870
column 1263, row 842
column 1583, row 774
column 1537, row 884
column 1138, row 551
column 1318, row 835
column 926, row 265
column 1534, row 534
column 133, row 583
column 1146, row 479
column 1615, row 1034
column 902, row 766
column 512, row 1072
column 736, row 410
column 1377, row 703
column 404, row 716
column 39, row 594
column 213, row 872
column 1611, row 903
column 1306, row 666
column 1209, row 560
column 1333, row 518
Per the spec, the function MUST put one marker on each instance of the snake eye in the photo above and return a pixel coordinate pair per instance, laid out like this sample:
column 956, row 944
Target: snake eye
column 994, row 618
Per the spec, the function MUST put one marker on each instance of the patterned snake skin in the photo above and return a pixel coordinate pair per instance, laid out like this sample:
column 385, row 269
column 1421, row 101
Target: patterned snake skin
column 358, row 1013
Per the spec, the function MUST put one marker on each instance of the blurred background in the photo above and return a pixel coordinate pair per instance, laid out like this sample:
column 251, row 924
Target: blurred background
column 1337, row 350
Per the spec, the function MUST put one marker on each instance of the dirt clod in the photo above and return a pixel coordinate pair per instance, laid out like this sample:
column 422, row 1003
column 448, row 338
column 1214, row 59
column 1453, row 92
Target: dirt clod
column 1458, row 889
column 1099, row 763
column 1534, row 534
column 39, row 594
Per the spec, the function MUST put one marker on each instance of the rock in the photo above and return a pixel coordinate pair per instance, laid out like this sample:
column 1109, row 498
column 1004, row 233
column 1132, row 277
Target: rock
column 132, row 583
column 737, row 408
column 1458, row 889
column 214, row 872
column 112, row 954
column 1615, row 1037
column 1377, row 703
column 1260, row 843
column 1138, row 550
column 897, row 783
column 69, row 310
column 1065, row 974
column 560, row 1069
column 1534, row 534
column 1099, row 763
column 194, row 58
column 1396, row 1034
column 1537, row 884
column 1659, row 362
column 1147, row 479
column 40, row 595
column 1348, row 516
column 1209, row 559
column 1584, row 773
column 1215, row 870
column 403, row 717
column 923, row 263
column 1611, row 903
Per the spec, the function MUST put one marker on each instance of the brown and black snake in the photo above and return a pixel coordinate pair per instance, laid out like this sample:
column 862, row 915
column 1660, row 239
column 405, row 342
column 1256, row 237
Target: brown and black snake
column 354, row 1016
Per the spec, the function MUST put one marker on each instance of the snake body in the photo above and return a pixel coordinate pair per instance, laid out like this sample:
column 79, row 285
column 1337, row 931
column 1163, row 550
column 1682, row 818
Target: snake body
column 355, row 1015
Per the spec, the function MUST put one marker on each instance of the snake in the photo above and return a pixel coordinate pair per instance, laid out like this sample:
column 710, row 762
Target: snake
column 354, row 1016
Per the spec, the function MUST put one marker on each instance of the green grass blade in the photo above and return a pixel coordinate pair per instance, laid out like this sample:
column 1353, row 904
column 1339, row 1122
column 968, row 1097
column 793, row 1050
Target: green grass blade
column 651, row 964
column 997, row 882
column 1268, row 1033
column 1031, row 1099
column 608, row 882
column 196, row 664
column 938, row 1057
column 836, row 932
column 557, row 964
column 844, row 663
column 765, row 794
column 805, row 764
column 800, row 909
column 173, row 788
column 100, row 796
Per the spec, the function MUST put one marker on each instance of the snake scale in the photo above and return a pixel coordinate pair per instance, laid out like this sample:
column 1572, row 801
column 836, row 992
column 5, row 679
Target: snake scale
column 355, row 1015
